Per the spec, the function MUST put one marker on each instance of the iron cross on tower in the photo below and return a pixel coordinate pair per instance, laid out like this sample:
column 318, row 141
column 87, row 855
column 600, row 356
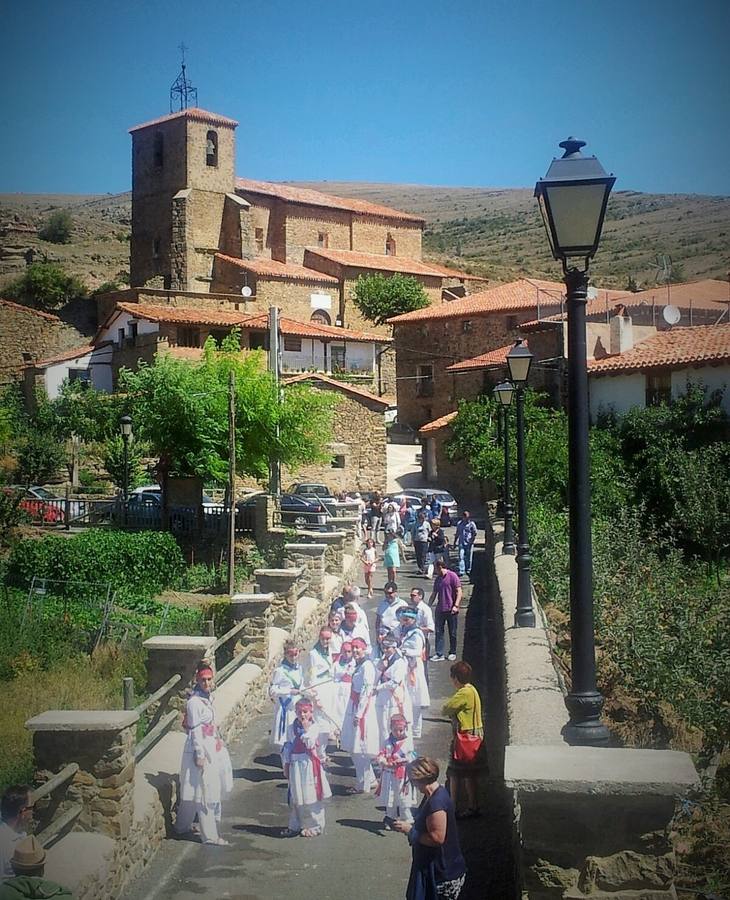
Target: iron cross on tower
column 182, row 93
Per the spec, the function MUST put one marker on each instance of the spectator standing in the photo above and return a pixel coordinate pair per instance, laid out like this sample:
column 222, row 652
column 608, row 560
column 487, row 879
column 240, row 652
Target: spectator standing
column 447, row 594
column 421, row 537
column 393, row 552
column 368, row 559
column 16, row 812
column 376, row 515
column 464, row 708
column 438, row 546
column 464, row 540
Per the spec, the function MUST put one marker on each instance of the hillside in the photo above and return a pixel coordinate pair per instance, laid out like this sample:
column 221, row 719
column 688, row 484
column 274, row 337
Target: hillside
column 489, row 231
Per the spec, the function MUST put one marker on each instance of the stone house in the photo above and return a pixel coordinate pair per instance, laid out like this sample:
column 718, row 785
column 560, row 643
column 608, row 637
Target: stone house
column 90, row 364
column 30, row 334
column 358, row 445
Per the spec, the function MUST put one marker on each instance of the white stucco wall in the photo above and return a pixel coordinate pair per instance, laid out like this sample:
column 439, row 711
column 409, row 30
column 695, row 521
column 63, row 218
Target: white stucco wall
column 617, row 392
column 712, row 377
column 144, row 326
column 98, row 361
column 357, row 356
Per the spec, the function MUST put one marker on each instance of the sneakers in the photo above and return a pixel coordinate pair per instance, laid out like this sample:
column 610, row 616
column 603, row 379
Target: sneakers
column 452, row 656
column 437, row 657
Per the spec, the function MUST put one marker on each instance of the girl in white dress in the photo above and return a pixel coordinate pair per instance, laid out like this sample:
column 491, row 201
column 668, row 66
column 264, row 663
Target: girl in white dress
column 413, row 647
column 205, row 772
column 334, row 621
column 304, row 757
column 286, row 688
column 395, row 790
column 320, row 684
column 391, row 690
column 344, row 668
column 360, row 727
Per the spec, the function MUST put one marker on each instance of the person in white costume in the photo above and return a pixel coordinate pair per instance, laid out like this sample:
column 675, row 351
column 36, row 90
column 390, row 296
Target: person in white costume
column 304, row 757
column 320, row 683
column 413, row 647
column 391, row 690
column 395, row 790
column 287, row 682
column 360, row 728
column 344, row 667
column 205, row 772
column 352, row 629
column 334, row 623
column 350, row 597
column 386, row 615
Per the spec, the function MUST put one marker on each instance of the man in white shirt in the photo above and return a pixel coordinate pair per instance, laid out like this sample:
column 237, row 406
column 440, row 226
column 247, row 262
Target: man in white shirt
column 386, row 615
column 16, row 812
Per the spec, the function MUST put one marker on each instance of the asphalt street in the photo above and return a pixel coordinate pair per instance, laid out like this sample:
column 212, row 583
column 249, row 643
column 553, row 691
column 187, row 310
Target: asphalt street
column 355, row 858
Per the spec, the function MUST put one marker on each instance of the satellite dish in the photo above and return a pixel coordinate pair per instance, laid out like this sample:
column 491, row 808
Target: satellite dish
column 246, row 291
column 672, row 314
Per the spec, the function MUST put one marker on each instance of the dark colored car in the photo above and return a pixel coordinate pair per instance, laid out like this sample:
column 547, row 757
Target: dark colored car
column 299, row 511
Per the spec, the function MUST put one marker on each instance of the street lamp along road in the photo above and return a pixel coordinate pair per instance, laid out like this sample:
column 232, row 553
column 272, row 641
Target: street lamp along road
column 125, row 427
column 519, row 361
column 573, row 198
column 503, row 392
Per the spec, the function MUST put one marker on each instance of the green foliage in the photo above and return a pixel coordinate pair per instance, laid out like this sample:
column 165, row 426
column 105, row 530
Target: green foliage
column 57, row 229
column 114, row 462
column 81, row 410
column 40, row 456
column 181, row 409
column 108, row 286
column 11, row 514
column 379, row 297
column 45, row 286
column 138, row 565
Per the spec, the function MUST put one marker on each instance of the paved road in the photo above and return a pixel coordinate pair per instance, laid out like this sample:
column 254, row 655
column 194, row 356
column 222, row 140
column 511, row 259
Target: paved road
column 403, row 470
column 354, row 859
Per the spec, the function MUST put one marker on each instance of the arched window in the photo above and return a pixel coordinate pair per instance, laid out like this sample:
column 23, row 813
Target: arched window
column 390, row 245
column 321, row 317
column 159, row 149
column 211, row 148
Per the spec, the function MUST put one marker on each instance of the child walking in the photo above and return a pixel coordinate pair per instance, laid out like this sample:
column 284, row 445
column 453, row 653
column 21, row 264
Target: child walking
column 395, row 790
column 368, row 557
column 304, row 758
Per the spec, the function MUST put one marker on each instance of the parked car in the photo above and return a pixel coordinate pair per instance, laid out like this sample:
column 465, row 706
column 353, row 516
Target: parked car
column 295, row 510
column 447, row 501
column 312, row 490
column 39, row 504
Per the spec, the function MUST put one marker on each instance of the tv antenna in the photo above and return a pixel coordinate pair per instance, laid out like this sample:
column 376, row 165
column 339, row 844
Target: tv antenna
column 182, row 92
column 664, row 273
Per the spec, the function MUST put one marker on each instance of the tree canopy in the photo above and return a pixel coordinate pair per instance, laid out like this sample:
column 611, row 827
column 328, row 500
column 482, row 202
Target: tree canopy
column 378, row 297
column 58, row 228
column 45, row 286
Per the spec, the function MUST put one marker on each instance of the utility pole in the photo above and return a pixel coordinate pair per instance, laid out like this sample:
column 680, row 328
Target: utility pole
column 231, row 479
column 274, row 465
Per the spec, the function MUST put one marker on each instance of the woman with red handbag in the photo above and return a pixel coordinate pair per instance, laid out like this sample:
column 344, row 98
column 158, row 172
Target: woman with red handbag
column 464, row 708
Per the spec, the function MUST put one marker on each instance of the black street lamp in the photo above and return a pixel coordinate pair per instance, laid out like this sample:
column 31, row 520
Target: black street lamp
column 504, row 392
column 519, row 360
column 573, row 198
column 125, row 426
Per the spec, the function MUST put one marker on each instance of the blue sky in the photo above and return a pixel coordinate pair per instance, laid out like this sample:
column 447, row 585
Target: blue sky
column 477, row 92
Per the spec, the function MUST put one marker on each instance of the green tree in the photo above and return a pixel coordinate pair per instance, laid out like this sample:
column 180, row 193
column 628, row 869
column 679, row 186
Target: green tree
column 379, row 297
column 45, row 286
column 114, row 461
column 181, row 409
column 57, row 229
column 39, row 457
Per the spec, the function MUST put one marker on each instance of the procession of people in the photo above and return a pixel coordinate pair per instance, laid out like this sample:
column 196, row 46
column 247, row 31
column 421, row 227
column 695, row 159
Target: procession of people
column 361, row 692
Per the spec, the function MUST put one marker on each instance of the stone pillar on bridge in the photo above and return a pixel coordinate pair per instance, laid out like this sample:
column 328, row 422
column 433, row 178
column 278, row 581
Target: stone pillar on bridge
column 286, row 585
column 312, row 558
column 173, row 654
column 255, row 610
column 102, row 743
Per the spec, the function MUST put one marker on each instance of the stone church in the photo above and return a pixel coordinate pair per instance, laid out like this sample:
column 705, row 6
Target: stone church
column 198, row 230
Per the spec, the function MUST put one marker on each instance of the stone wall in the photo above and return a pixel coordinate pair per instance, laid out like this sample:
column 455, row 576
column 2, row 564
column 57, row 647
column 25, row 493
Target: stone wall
column 440, row 343
column 304, row 224
column 452, row 475
column 30, row 331
column 369, row 234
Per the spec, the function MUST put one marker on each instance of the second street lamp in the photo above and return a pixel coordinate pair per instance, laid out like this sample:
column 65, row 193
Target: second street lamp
column 125, row 427
column 519, row 360
column 504, row 392
column 573, row 198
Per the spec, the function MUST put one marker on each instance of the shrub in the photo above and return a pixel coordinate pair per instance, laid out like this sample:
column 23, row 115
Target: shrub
column 378, row 297
column 45, row 285
column 57, row 229
column 40, row 456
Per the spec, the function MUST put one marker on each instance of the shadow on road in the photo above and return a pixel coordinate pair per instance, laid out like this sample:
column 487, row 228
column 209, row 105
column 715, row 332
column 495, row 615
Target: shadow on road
column 363, row 825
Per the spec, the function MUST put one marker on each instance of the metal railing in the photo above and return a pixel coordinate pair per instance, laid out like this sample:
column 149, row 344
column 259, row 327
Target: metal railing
column 238, row 660
column 56, row 826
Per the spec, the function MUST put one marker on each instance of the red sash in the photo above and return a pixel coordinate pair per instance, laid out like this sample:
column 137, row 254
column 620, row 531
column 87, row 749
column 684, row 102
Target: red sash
column 298, row 746
column 355, row 700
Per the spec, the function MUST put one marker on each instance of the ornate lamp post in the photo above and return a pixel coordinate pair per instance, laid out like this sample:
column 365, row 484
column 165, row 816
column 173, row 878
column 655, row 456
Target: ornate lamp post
column 125, row 426
column 504, row 392
column 573, row 198
column 519, row 360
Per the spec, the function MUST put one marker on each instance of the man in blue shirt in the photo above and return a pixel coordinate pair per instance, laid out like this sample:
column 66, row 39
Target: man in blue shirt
column 466, row 535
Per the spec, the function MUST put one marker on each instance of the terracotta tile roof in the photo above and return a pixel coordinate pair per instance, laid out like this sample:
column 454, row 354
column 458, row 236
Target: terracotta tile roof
column 27, row 309
column 521, row 294
column 183, row 315
column 317, row 198
column 452, row 273
column 708, row 293
column 314, row 330
column 674, row 349
column 76, row 353
column 483, row 361
column 380, row 262
column 194, row 113
column 441, row 422
column 343, row 386
column 271, row 268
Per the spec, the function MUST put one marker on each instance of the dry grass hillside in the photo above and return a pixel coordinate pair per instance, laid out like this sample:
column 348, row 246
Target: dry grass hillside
column 489, row 231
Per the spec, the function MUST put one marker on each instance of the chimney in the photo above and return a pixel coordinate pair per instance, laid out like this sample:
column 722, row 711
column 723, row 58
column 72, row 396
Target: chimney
column 621, row 336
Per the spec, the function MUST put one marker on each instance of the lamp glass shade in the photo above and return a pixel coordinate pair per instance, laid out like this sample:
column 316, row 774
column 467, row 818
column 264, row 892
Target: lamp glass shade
column 125, row 425
column 519, row 361
column 573, row 197
column 504, row 392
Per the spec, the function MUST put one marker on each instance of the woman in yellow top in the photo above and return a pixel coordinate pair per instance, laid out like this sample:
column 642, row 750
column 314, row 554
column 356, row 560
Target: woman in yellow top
column 464, row 708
